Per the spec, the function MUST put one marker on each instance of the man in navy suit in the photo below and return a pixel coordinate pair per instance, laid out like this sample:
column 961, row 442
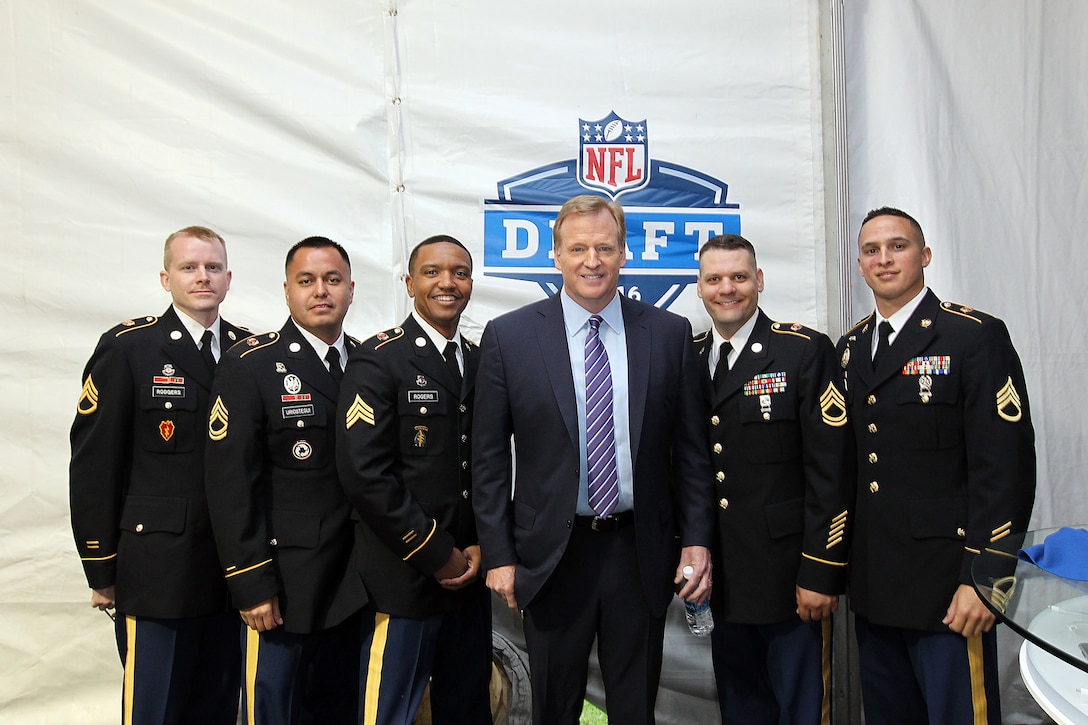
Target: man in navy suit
column 613, row 495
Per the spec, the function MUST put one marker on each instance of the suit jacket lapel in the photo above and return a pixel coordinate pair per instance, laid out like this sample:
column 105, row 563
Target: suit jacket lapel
column 183, row 350
column 552, row 336
column 305, row 363
column 639, row 354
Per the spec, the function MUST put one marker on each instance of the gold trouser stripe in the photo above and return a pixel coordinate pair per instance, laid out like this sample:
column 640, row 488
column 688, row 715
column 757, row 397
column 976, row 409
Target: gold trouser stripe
column 825, row 663
column 978, row 678
column 253, row 647
column 130, row 666
column 374, row 669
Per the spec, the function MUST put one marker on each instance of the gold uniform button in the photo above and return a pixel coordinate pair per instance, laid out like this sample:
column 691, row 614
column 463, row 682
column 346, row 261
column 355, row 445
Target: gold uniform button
column 961, row 533
column 464, row 465
column 168, row 405
column 871, row 400
column 723, row 503
column 462, row 408
column 464, row 494
column 874, row 486
column 300, row 424
column 872, row 427
column 139, row 528
column 464, row 438
column 766, row 416
column 873, row 458
column 720, row 475
column 714, row 420
column 717, row 447
column 423, row 410
column 273, row 542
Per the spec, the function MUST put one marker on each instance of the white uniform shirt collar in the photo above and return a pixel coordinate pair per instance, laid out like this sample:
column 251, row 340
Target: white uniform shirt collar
column 738, row 341
column 321, row 347
column 196, row 330
column 898, row 320
column 438, row 339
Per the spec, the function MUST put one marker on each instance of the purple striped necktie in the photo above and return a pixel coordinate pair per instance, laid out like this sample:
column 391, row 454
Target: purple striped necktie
column 604, row 487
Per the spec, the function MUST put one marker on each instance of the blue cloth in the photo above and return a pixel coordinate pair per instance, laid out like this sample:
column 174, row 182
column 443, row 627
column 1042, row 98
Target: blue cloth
column 1065, row 553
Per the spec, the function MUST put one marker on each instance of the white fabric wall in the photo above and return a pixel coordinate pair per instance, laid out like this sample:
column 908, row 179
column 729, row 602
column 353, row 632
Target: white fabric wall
column 970, row 115
column 122, row 121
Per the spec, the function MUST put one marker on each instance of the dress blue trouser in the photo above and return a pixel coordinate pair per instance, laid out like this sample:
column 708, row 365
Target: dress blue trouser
column 452, row 651
column 912, row 676
column 179, row 671
column 297, row 679
column 773, row 674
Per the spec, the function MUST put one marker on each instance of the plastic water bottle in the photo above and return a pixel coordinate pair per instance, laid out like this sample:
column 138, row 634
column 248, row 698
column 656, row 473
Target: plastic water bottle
column 700, row 620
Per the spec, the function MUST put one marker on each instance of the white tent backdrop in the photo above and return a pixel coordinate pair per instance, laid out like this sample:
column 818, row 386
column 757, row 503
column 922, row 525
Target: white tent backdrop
column 380, row 123
column 970, row 115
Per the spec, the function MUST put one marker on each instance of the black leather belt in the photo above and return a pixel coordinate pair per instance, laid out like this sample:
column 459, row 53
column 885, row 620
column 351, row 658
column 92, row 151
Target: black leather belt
column 607, row 523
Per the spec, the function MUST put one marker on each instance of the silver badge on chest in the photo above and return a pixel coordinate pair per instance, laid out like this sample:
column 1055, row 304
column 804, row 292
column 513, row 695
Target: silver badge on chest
column 292, row 384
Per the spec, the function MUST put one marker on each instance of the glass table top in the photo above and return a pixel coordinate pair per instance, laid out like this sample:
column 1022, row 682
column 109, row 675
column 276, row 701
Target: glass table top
column 1047, row 610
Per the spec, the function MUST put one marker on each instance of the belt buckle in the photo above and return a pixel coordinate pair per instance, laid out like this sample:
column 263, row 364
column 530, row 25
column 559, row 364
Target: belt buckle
column 595, row 524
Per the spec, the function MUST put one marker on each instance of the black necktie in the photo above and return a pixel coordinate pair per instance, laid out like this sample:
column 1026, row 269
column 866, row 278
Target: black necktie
column 206, row 350
column 450, row 353
column 884, row 330
column 332, row 357
column 722, row 368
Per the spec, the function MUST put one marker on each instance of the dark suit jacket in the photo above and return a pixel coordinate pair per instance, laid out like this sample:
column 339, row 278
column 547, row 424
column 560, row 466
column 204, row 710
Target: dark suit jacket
column 139, row 514
column 404, row 459
column 281, row 521
column 784, row 470
column 525, row 388
column 946, row 460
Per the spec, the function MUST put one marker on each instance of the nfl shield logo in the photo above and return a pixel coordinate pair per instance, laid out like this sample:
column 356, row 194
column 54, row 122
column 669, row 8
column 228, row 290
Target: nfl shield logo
column 612, row 154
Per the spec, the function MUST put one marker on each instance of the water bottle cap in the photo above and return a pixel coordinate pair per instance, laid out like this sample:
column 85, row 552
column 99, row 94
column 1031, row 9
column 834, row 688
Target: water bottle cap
column 688, row 571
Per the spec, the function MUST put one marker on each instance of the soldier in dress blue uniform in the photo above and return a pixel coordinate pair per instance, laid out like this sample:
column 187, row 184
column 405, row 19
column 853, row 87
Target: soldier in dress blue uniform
column 139, row 513
column 281, row 522
column 405, row 463
column 946, row 466
column 783, row 460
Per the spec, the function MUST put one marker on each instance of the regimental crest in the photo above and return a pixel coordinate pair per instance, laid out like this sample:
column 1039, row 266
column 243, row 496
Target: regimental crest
column 612, row 154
